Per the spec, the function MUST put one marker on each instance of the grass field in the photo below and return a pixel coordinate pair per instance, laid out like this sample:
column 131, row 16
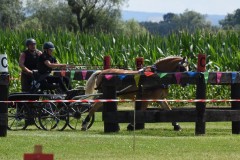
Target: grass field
column 157, row 141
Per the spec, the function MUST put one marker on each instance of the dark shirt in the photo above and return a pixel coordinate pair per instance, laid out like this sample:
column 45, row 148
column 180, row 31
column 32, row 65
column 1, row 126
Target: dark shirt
column 42, row 68
column 31, row 59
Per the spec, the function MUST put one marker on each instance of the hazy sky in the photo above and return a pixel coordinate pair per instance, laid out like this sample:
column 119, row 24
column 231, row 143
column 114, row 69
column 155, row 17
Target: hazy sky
column 179, row 6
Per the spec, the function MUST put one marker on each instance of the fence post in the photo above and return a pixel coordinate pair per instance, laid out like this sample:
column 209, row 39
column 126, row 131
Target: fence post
column 200, row 125
column 107, row 62
column 235, row 94
column 139, row 62
column 110, row 92
column 138, row 104
column 4, row 84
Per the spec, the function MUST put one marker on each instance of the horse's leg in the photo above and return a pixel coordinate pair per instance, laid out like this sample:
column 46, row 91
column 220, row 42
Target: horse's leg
column 166, row 106
column 86, row 121
column 162, row 94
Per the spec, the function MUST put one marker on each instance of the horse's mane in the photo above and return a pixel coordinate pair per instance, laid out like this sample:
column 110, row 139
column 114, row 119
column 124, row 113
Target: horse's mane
column 167, row 64
column 167, row 58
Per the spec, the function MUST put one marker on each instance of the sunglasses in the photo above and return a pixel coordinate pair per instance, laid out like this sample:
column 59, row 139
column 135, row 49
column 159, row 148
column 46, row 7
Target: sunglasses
column 52, row 49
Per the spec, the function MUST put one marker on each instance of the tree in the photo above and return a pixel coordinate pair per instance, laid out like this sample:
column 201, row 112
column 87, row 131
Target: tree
column 169, row 17
column 192, row 21
column 231, row 20
column 96, row 14
column 10, row 13
column 47, row 14
column 188, row 20
column 132, row 28
column 103, row 16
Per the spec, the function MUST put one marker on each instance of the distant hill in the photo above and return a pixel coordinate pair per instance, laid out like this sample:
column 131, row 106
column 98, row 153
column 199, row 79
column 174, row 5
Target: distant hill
column 156, row 17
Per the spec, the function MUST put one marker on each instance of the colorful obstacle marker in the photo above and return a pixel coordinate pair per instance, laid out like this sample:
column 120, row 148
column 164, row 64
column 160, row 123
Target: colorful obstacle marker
column 38, row 155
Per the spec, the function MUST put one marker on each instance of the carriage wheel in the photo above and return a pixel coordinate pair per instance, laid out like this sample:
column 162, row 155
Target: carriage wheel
column 37, row 123
column 53, row 116
column 77, row 113
column 36, row 111
column 17, row 113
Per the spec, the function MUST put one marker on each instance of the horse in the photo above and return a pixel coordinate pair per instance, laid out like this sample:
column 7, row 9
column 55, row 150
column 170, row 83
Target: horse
column 168, row 64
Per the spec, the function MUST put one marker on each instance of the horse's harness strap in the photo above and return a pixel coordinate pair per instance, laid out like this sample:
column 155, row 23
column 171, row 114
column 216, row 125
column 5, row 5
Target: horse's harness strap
column 153, row 69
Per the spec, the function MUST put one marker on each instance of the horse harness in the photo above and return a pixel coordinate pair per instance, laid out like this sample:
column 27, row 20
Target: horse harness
column 180, row 68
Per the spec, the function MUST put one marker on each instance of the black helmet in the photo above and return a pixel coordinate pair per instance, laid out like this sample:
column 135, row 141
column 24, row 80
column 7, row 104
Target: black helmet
column 30, row 41
column 48, row 45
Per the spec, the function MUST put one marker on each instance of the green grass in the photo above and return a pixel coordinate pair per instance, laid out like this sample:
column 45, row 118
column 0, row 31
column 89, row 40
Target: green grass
column 157, row 141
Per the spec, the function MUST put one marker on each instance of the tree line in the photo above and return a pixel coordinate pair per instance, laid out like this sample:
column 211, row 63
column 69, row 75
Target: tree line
column 191, row 21
column 99, row 15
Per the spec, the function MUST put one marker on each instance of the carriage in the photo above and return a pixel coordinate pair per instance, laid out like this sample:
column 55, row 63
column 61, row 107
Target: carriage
column 27, row 108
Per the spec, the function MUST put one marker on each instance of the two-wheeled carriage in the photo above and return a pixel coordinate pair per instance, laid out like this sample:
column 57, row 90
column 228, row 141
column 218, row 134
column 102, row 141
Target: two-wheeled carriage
column 32, row 108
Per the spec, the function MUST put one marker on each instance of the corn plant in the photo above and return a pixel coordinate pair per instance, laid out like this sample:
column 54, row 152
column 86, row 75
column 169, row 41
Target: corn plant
column 222, row 49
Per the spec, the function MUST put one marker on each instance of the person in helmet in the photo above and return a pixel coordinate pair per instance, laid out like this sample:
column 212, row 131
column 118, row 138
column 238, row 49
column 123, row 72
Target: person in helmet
column 47, row 62
column 28, row 62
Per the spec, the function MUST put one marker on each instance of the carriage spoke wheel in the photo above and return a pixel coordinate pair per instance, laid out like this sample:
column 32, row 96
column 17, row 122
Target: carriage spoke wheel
column 77, row 113
column 36, row 112
column 53, row 116
column 36, row 120
column 17, row 114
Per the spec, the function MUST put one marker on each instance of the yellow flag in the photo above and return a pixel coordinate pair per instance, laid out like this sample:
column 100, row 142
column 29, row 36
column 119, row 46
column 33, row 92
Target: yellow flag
column 137, row 77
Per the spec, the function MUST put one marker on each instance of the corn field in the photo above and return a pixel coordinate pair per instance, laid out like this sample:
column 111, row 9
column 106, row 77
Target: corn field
column 222, row 49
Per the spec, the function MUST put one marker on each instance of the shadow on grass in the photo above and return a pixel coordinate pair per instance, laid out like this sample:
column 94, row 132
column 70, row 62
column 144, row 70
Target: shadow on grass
column 151, row 129
column 166, row 130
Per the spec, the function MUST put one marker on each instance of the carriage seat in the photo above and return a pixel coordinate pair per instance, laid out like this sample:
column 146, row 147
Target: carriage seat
column 75, row 92
column 41, row 84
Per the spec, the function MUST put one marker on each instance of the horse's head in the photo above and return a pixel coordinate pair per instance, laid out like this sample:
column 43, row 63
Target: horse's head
column 171, row 64
column 182, row 65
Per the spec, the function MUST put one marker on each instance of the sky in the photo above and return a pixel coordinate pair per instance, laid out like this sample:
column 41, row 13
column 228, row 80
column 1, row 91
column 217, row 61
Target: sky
column 218, row 7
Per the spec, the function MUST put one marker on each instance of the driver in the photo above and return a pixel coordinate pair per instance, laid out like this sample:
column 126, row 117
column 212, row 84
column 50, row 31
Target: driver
column 28, row 62
column 47, row 62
